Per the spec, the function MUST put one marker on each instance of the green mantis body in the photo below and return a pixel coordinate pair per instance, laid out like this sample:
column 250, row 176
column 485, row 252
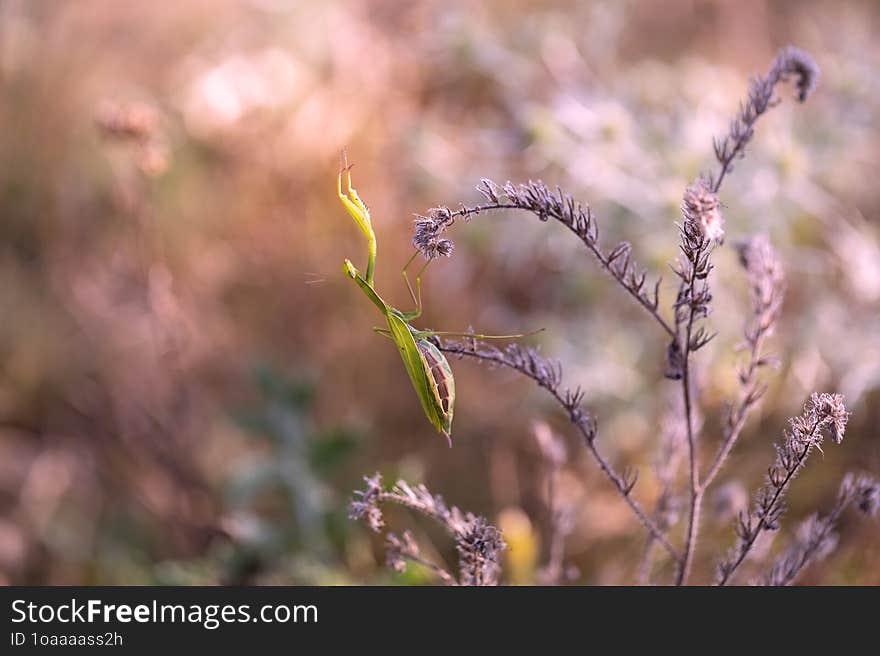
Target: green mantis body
column 428, row 369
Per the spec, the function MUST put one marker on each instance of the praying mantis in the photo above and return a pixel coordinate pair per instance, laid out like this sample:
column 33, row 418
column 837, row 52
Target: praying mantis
column 428, row 368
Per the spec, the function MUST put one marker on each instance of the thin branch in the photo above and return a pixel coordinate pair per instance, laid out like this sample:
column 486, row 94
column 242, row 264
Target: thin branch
column 767, row 289
column 673, row 437
column 702, row 226
column 554, row 453
column 816, row 535
column 548, row 375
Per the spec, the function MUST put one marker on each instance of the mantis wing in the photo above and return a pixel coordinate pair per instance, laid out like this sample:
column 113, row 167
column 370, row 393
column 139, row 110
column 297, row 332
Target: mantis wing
column 417, row 370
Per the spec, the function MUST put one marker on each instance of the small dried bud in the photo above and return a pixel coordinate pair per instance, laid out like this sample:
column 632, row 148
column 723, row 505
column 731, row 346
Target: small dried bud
column 367, row 506
column 674, row 361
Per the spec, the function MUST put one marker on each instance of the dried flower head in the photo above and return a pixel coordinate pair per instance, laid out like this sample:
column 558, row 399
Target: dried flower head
column 427, row 238
column 479, row 549
column 700, row 205
column 794, row 61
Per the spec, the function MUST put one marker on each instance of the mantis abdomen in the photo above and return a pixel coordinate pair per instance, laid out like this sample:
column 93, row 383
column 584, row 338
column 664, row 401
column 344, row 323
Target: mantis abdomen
column 427, row 369
column 441, row 375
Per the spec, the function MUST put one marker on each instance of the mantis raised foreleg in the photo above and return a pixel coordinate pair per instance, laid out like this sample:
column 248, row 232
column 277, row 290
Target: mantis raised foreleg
column 359, row 212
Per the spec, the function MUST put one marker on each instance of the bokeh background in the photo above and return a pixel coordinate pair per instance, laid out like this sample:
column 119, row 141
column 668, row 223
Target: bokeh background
column 189, row 388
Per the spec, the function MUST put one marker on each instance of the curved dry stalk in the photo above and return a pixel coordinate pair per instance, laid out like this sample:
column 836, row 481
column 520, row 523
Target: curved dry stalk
column 789, row 61
column 538, row 199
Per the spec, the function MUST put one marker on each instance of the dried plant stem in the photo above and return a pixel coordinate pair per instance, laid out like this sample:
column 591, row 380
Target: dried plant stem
column 696, row 492
column 702, row 226
column 790, row 61
column 753, row 391
column 695, row 504
column 625, row 489
column 548, row 375
column 554, row 453
column 643, row 574
column 666, row 468
column 553, row 572
column 767, row 289
column 738, row 422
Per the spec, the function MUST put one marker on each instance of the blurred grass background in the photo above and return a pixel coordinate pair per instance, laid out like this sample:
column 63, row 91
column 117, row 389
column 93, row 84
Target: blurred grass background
column 189, row 387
